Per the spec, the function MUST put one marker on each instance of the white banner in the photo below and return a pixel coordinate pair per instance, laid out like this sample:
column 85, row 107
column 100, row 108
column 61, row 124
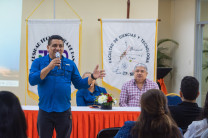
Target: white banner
column 126, row 43
column 38, row 34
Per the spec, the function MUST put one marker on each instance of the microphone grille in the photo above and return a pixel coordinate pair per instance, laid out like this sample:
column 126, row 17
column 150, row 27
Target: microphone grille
column 57, row 54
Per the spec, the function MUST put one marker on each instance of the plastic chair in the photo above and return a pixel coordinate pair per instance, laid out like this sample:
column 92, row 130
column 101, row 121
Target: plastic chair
column 173, row 99
column 108, row 132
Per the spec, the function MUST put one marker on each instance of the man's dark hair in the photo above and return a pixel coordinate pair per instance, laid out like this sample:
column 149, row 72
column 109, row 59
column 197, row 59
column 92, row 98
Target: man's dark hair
column 189, row 87
column 54, row 37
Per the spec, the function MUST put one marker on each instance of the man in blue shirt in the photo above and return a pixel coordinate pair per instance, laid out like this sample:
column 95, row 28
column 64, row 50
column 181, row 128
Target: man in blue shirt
column 54, row 75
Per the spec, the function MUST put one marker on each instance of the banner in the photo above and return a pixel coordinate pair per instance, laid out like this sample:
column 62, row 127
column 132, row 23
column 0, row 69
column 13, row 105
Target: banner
column 38, row 33
column 126, row 43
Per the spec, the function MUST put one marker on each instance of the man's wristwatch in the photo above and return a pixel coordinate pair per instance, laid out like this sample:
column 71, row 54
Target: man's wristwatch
column 93, row 77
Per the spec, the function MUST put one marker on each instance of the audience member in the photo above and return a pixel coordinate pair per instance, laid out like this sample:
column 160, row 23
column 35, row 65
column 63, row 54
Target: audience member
column 132, row 90
column 196, row 128
column 187, row 111
column 12, row 118
column 86, row 97
column 154, row 121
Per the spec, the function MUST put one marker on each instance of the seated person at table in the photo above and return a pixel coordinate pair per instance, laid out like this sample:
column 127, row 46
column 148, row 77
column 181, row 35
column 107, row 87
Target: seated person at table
column 132, row 90
column 154, row 121
column 187, row 111
column 12, row 118
column 197, row 128
column 86, row 97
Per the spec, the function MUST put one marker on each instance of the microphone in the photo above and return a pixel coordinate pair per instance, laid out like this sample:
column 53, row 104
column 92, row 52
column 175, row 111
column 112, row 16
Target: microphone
column 58, row 56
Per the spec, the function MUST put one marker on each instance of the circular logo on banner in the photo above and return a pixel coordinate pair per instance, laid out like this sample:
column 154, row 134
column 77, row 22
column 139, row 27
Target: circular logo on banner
column 125, row 52
column 40, row 49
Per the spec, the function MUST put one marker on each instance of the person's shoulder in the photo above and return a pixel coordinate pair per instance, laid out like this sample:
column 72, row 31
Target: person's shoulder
column 197, row 127
column 189, row 105
column 178, row 111
column 129, row 123
column 102, row 88
column 81, row 92
column 199, row 123
column 41, row 60
column 150, row 82
column 99, row 87
column 70, row 64
column 173, row 107
column 125, row 130
column 129, row 82
column 68, row 60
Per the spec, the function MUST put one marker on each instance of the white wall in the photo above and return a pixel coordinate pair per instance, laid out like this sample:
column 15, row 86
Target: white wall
column 183, row 31
column 90, row 11
column 178, row 23
column 164, row 13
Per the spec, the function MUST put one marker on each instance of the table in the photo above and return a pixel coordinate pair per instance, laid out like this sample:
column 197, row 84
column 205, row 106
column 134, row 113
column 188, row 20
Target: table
column 86, row 122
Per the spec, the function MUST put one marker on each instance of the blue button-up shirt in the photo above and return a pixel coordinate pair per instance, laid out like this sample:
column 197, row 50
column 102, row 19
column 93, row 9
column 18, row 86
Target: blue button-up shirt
column 55, row 89
column 84, row 97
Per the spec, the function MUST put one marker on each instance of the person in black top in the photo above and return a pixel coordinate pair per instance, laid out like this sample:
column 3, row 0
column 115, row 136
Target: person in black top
column 187, row 111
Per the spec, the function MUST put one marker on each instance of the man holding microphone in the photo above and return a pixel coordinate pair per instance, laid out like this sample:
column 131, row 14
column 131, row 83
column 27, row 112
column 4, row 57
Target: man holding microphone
column 53, row 74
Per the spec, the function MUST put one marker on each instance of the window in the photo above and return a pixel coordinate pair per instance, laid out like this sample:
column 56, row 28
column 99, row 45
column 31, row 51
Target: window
column 10, row 34
column 201, row 48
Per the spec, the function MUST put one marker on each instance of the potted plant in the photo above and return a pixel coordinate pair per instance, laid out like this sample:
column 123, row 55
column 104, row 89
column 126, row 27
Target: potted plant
column 162, row 57
column 106, row 101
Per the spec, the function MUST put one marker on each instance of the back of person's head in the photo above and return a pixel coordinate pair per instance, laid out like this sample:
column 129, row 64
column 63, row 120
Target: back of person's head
column 12, row 118
column 189, row 88
column 155, row 120
column 55, row 37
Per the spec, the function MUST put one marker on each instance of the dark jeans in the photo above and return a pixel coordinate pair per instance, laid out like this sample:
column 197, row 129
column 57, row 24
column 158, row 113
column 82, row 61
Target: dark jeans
column 61, row 121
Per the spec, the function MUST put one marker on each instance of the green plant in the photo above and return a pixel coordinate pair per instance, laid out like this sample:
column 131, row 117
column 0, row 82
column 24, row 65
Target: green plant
column 162, row 55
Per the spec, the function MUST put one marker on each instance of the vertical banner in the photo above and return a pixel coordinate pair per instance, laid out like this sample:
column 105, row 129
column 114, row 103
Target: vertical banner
column 126, row 43
column 37, row 37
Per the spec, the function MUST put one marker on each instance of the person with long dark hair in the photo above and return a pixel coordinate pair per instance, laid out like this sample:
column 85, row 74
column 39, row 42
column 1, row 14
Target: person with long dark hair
column 154, row 121
column 197, row 128
column 12, row 118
